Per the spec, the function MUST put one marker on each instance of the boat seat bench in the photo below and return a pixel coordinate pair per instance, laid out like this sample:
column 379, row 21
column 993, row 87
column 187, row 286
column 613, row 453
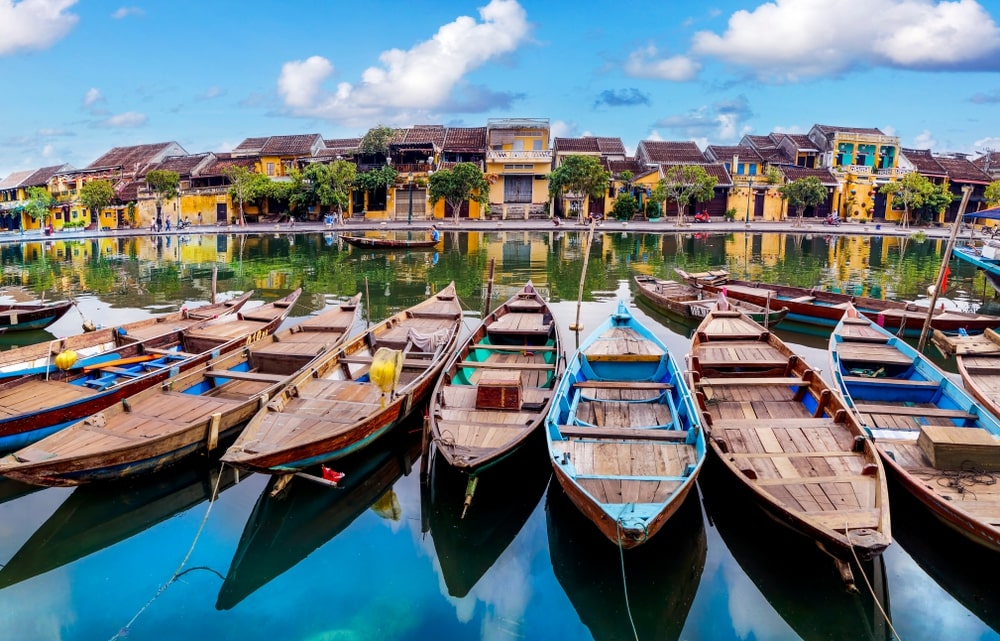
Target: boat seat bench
column 902, row 410
column 889, row 381
column 647, row 434
column 260, row 377
column 637, row 385
column 789, row 381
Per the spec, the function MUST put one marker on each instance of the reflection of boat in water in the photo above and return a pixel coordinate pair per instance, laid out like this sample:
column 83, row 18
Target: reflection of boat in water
column 11, row 489
column 94, row 518
column 662, row 575
column 286, row 528
column 960, row 566
column 507, row 494
column 801, row 584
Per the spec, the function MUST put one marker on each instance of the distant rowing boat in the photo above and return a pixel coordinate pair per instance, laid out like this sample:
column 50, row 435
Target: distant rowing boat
column 688, row 301
column 372, row 242
column 31, row 315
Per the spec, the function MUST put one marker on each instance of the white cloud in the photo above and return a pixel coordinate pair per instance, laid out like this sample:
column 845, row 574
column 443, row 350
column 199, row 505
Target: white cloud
column 124, row 12
column 212, row 92
column 561, row 129
column 811, row 38
column 34, row 24
column 924, row 140
column 126, row 120
column 414, row 81
column 92, row 96
column 983, row 144
column 646, row 63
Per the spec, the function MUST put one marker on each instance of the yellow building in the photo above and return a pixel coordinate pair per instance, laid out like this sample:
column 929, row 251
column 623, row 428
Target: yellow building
column 862, row 159
column 518, row 161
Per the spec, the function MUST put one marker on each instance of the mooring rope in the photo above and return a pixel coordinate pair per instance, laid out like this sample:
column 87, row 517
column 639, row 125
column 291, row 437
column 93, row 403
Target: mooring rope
column 621, row 556
column 871, row 590
column 179, row 572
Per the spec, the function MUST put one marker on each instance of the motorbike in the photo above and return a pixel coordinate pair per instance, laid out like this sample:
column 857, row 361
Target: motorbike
column 832, row 219
column 183, row 224
column 702, row 217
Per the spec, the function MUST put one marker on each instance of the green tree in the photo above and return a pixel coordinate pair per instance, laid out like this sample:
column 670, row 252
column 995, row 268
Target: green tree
column 377, row 140
column 376, row 179
column 579, row 178
column 95, row 196
column 164, row 184
column 802, row 193
column 465, row 181
column 684, row 184
column 38, row 204
column 246, row 186
column 911, row 192
column 327, row 185
column 625, row 207
column 992, row 193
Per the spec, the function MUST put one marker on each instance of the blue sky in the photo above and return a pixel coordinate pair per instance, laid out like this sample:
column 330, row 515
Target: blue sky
column 80, row 77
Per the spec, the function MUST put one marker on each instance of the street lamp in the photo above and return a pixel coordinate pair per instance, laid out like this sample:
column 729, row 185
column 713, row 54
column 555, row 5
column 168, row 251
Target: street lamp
column 409, row 209
column 749, row 193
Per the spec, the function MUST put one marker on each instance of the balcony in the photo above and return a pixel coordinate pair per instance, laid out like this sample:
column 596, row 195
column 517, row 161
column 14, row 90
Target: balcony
column 543, row 155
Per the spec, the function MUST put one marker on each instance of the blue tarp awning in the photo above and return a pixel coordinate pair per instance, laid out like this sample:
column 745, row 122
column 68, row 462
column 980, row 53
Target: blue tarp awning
column 992, row 213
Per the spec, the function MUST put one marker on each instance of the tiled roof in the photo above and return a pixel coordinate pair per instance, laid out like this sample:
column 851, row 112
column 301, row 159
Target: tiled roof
column 990, row 161
column 250, row 146
column 44, row 175
column 129, row 190
column 759, row 142
column 793, row 172
column 183, row 165
column 661, row 151
column 629, row 164
column 610, row 146
column 724, row 153
column 224, row 161
column 924, row 162
column 961, row 170
column 130, row 159
column 298, row 145
column 576, row 145
column 426, row 133
column 712, row 169
column 465, row 139
column 15, row 179
column 340, row 146
column 826, row 130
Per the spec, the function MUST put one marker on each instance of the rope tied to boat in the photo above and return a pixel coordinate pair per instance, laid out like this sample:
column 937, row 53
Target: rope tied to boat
column 963, row 479
column 180, row 571
column 871, row 590
column 619, row 522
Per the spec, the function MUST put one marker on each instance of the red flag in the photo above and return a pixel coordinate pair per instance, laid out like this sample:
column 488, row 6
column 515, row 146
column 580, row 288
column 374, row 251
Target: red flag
column 331, row 475
column 944, row 281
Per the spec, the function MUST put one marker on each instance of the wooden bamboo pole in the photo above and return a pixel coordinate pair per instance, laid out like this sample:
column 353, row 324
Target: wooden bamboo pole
column 966, row 192
column 489, row 288
column 577, row 327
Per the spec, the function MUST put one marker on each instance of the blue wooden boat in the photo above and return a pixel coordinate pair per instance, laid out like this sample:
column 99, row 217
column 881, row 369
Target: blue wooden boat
column 624, row 437
column 37, row 405
column 932, row 436
column 986, row 258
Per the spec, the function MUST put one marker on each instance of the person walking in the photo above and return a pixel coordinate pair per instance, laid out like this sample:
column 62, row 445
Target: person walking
column 159, row 222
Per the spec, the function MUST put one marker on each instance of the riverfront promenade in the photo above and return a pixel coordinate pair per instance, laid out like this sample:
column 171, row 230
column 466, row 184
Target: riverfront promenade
column 663, row 226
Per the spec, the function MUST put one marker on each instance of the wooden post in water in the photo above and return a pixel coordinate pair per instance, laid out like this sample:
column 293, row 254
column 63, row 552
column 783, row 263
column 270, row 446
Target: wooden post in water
column 215, row 279
column 489, row 288
column 368, row 305
column 577, row 327
column 966, row 192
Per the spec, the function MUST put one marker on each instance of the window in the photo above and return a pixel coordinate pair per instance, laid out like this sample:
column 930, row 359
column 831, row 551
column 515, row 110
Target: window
column 270, row 169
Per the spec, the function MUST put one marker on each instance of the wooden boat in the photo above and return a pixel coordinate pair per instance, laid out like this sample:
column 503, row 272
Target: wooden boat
column 31, row 315
column 986, row 258
column 284, row 528
column 787, row 437
column 36, row 405
column 334, row 408
column 469, row 543
column 689, row 302
column 377, row 242
column 978, row 359
column 91, row 347
column 624, row 437
column 934, row 439
column 188, row 414
column 662, row 576
column 496, row 390
column 824, row 309
column 98, row 517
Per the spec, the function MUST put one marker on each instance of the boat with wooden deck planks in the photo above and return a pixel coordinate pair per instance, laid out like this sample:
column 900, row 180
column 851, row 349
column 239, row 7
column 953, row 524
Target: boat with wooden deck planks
column 689, row 302
column 824, row 309
column 934, row 438
column 97, row 517
column 495, row 392
column 185, row 415
column 286, row 526
column 334, row 408
column 780, row 430
column 36, row 405
column 978, row 360
column 91, row 347
column 25, row 316
column 624, row 438
column 380, row 242
column 986, row 257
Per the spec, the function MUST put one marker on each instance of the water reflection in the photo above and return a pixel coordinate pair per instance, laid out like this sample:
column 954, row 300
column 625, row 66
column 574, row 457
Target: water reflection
column 660, row 577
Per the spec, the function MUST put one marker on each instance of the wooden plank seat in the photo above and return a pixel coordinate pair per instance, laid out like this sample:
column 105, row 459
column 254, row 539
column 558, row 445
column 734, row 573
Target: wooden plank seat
column 367, row 360
column 865, row 338
column 638, row 385
column 903, row 410
column 444, row 315
column 630, row 477
column 824, row 454
column 889, row 381
column 121, row 371
column 748, row 364
column 800, row 299
column 515, row 348
column 507, row 365
column 780, row 381
column 260, row 377
column 775, row 423
column 167, row 352
column 626, row 433
column 810, row 480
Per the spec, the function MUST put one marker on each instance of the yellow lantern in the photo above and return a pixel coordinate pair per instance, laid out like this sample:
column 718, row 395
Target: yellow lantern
column 66, row 359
